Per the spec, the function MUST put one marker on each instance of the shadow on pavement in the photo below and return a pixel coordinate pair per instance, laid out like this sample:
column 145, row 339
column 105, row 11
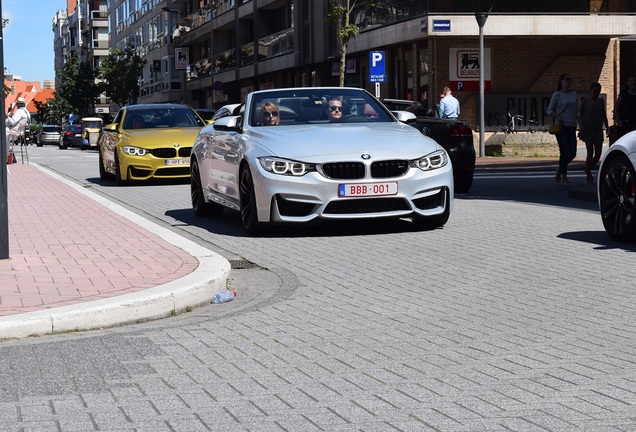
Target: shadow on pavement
column 598, row 238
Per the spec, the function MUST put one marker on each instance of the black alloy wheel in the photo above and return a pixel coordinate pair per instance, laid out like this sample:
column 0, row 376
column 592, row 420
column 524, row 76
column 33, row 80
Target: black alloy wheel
column 118, row 178
column 249, row 215
column 617, row 199
column 103, row 174
column 200, row 207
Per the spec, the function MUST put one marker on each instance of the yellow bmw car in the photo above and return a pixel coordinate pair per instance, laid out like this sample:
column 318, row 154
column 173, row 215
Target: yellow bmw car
column 149, row 141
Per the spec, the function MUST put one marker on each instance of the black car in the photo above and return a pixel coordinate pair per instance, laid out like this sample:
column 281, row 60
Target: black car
column 206, row 114
column 454, row 135
column 71, row 136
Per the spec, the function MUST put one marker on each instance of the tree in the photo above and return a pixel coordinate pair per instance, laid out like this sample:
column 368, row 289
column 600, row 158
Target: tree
column 120, row 72
column 54, row 110
column 78, row 87
column 339, row 14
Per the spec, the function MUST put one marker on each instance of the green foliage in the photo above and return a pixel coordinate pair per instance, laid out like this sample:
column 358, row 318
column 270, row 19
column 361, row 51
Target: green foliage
column 120, row 72
column 78, row 88
column 339, row 15
column 54, row 110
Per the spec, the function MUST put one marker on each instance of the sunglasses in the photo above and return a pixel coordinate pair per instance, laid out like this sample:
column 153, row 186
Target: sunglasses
column 270, row 114
column 334, row 108
column 568, row 79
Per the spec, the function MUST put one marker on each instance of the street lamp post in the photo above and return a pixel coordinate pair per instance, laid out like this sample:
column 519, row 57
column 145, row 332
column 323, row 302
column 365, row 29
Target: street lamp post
column 182, row 77
column 4, row 192
column 481, row 18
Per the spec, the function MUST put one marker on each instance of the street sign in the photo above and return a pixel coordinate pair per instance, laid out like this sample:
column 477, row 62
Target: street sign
column 377, row 70
column 441, row 25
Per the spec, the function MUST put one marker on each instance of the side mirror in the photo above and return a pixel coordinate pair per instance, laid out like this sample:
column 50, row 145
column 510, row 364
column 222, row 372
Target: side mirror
column 111, row 127
column 405, row 116
column 231, row 123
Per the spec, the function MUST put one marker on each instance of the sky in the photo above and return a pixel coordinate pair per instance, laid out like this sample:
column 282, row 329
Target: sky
column 28, row 38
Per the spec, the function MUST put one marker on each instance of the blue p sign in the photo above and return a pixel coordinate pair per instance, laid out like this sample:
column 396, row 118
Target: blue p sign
column 377, row 71
column 376, row 59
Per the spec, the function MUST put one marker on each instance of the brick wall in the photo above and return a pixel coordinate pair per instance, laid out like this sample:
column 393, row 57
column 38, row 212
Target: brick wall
column 533, row 65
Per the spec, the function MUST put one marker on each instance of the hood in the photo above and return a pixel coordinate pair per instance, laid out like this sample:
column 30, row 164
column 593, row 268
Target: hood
column 155, row 138
column 343, row 141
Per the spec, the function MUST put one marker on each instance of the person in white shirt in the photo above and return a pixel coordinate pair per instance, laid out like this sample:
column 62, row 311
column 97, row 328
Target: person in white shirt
column 17, row 122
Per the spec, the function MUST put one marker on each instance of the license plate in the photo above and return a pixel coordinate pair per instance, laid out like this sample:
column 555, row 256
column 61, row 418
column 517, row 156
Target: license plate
column 177, row 162
column 367, row 189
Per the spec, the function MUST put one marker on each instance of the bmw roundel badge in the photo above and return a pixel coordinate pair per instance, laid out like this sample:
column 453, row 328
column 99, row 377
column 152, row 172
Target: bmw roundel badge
column 366, row 156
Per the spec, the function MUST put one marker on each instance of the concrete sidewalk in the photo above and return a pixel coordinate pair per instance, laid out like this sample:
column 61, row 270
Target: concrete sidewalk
column 78, row 261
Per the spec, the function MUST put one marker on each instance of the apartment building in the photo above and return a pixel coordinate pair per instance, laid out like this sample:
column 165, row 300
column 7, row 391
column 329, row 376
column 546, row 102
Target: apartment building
column 207, row 53
column 81, row 31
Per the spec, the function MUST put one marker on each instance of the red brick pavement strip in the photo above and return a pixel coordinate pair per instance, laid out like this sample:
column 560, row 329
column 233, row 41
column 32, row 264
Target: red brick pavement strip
column 60, row 256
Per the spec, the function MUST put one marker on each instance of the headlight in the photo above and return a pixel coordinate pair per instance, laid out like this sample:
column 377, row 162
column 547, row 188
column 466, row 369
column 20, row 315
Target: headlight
column 134, row 151
column 285, row 167
column 431, row 161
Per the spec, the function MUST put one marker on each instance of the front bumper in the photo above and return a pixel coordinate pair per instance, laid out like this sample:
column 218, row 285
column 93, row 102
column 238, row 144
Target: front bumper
column 419, row 194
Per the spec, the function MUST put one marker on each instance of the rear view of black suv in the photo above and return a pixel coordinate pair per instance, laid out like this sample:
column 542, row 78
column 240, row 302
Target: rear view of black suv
column 454, row 135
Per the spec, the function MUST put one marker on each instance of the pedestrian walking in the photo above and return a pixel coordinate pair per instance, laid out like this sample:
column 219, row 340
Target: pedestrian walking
column 449, row 105
column 593, row 118
column 625, row 107
column 563, row 108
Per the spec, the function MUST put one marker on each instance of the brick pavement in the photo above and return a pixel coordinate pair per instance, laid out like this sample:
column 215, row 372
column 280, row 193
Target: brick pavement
column 68, row 249
column 510, row 318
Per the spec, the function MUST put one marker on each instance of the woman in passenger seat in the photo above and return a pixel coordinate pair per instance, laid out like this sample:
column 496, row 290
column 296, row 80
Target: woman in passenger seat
column 270, row 114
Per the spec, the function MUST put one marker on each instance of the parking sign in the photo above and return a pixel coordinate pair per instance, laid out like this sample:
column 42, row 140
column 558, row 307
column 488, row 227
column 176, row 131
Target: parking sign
column 377, row 72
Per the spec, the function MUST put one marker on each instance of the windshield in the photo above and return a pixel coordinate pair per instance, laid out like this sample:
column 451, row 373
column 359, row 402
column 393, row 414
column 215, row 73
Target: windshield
column 315, row 106
column 161, row 118
column 92, row 124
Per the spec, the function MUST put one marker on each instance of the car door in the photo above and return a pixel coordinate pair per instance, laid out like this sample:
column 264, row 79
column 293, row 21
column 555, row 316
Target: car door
column 224, row 163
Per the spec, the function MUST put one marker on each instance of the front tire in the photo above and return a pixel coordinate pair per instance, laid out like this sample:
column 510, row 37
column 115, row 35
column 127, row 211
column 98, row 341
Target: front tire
column 249, row 214
column 103, row 174
column 463, row 182
column 617, row 196
column 118, row 174
column 200, row 207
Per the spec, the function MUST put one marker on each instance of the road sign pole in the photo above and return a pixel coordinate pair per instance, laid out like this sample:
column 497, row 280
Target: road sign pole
column 377, row 89
column 4, row 192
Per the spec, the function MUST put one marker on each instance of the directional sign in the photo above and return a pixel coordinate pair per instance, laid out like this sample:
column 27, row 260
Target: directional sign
column 377, row 71
column 441, row 25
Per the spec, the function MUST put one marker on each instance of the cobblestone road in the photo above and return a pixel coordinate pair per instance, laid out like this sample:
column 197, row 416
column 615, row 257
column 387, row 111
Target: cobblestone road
column 514, row 317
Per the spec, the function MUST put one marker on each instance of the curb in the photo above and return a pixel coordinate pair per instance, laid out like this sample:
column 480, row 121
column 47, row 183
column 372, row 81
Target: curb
column 192, row 290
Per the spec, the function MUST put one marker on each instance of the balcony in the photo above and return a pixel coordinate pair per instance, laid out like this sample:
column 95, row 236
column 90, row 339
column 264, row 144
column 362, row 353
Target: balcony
column 224, row 61
column 193, row 21
column 276, row 44
column 247, row 54
column 200, row 69
column 219, row 7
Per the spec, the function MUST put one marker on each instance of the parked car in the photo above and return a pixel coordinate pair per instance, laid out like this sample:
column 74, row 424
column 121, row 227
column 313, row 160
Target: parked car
column 71, row 136
column 455, row 136
column 310, row 168
column 206, row 114
column 148, row 141
column 49, row 134
column 617, row 189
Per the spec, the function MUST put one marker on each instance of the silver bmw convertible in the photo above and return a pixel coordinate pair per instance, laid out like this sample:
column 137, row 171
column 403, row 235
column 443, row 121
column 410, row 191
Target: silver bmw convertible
column 295, row 155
